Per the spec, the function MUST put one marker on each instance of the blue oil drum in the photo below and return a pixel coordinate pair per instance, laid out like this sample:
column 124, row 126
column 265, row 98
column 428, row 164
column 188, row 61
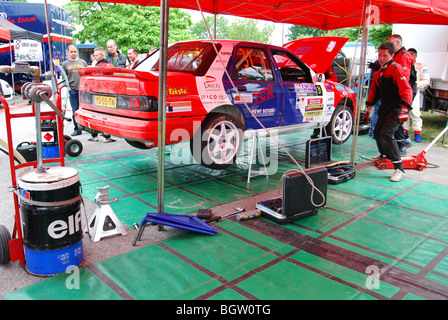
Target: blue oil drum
column 50, row 207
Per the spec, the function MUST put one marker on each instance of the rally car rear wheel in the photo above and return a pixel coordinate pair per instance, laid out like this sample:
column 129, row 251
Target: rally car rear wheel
column 341, row 124
column 219, row 142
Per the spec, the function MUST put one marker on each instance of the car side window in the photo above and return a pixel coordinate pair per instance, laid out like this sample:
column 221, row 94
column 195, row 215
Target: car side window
column 290, row 69
column 252, row 64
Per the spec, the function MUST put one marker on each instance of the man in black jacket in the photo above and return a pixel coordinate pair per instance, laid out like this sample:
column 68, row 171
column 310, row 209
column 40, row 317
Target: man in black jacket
column 115, row 56
column 391, row 86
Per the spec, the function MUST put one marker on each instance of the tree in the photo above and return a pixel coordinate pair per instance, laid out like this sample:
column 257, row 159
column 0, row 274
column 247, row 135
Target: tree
column 377, row 34
column 129, row 25
column 299, row 32
column 222, row 28
column 247, row 29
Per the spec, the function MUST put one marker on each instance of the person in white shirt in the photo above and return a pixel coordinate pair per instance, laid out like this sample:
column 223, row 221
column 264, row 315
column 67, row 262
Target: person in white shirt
column 421, row 82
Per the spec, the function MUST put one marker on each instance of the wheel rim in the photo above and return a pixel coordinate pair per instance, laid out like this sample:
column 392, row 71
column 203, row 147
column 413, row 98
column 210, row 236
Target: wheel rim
column 74, row 148
column 343, row 125
column 223, row 142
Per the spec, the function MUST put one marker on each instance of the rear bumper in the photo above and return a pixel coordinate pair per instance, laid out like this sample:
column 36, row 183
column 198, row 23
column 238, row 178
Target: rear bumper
column 178, row 129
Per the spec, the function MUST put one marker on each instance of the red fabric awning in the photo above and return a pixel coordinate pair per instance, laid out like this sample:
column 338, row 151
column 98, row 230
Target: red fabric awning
column 322, row 14
column 5, row 34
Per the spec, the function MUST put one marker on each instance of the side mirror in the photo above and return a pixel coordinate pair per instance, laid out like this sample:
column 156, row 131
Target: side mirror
column 318, row 77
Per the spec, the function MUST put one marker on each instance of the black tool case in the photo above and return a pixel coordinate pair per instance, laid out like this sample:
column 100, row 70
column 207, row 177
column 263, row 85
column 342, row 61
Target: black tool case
column 27, row 150
column 339, row 173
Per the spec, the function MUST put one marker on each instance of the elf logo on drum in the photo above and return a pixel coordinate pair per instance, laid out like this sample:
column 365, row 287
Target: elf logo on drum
column 59, row 228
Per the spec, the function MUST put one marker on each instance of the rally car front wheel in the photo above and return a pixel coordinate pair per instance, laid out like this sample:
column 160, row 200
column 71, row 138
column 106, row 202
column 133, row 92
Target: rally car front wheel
column 341, row 124
column 219, row 142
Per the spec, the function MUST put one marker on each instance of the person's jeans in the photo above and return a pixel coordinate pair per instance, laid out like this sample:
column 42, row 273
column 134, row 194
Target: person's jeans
column 374, row 118
column 74, row 103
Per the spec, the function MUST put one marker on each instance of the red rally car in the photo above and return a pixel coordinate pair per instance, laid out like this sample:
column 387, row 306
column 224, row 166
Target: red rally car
column 218, row 100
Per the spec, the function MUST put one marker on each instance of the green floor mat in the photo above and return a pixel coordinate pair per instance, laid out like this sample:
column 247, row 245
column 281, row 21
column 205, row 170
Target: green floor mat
column 399, row 229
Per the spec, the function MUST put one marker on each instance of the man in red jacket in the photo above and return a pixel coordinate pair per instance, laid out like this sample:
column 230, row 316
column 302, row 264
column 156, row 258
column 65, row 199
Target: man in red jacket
column 391, row 86
column 404, row 58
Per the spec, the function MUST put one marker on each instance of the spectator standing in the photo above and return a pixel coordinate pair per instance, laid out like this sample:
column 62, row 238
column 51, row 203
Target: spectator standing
column 71, row 67
column 92, row 58
column 115, row 56
column 421, row 79
column 100, row 58
column 133, row 57
column 391, row 86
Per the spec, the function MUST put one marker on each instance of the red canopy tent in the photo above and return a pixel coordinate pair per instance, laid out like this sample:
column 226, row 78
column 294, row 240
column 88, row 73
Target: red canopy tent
column 321, row 14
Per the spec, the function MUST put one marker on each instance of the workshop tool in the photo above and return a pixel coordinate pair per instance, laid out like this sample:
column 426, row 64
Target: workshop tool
column 418, row 162
column 226, row 216
column 248, row 215
column 186, row 222
column 104, row 222
column 204, row 214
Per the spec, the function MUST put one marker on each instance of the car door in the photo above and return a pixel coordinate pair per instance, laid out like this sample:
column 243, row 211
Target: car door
column 257, row 87
column 305, row 101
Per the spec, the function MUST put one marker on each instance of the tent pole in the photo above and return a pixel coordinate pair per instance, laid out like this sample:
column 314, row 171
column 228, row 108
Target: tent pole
column 12, row 74
column 362, row 64
column 50, row 49
column 164, row 18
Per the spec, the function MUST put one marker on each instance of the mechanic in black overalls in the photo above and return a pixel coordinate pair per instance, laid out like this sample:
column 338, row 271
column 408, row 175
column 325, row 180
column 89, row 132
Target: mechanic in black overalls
column 391, row 86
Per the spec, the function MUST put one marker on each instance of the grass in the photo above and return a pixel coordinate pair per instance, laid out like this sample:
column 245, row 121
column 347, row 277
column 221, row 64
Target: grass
column 433, row 124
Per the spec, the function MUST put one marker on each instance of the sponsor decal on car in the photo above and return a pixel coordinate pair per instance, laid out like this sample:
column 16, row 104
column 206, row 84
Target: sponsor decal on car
column 305, row 89
column 243, row 98
column 180, row 106
column 177, row 91
column 263, row 95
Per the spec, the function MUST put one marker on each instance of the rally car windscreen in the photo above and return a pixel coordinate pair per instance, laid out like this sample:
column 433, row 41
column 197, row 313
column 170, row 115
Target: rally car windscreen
column 191, row 57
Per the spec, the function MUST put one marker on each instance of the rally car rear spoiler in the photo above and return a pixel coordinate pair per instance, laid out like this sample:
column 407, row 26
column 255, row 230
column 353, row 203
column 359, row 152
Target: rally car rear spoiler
column 114, row 71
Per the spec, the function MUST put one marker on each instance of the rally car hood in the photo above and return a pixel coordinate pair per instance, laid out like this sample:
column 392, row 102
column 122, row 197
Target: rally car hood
column 319, row 52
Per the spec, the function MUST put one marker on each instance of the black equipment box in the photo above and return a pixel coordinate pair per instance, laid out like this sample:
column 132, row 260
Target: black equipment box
column 318, row 152
column 28, row 150
column 340, row 173
column 295, row 202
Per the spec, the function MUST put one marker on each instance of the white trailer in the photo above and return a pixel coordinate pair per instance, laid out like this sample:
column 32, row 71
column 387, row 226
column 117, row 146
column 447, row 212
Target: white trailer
column 431, row 43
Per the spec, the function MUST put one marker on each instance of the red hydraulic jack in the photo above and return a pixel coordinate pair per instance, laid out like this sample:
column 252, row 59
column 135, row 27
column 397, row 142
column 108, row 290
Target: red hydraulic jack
column 418, row 162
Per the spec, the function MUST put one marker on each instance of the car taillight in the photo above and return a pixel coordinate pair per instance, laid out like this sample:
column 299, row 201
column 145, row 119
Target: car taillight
column 85, row 97
column 137, row 103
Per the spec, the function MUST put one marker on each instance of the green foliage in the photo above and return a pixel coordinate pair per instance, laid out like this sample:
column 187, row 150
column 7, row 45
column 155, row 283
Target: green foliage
column 247, row 30
column 222, row 28
column 240, row 29
column 377, row 34
column 129, row 25
column 299, row 32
